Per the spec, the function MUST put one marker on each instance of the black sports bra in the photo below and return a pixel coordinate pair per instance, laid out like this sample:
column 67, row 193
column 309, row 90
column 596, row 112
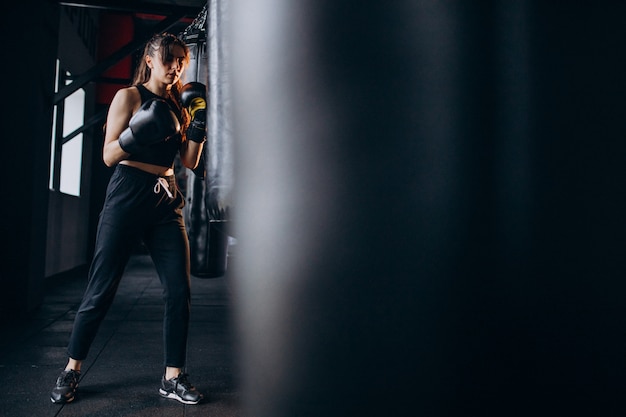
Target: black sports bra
column 160, row 153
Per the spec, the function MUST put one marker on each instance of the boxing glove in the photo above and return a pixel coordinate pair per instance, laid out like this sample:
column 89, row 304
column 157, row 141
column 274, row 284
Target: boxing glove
column 193, row 98
column 154, row 122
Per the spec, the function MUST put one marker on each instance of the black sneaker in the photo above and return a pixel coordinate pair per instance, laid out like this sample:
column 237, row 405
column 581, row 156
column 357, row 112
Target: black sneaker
column 180, row 389
column 65, row 388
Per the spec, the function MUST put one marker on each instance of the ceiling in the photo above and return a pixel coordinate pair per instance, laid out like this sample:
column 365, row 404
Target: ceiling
column 160, row 7
column 146, row 12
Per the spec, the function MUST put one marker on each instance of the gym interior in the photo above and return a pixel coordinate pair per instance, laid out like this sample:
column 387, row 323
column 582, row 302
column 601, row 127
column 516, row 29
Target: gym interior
column 407, row 208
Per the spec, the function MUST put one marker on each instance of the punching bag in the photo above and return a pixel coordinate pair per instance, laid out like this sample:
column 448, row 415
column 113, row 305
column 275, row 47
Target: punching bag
column 208, row 187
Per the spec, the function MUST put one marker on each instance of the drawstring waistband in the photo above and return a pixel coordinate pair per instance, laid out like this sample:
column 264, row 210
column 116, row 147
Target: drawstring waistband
column 168, row 182
column 162, row 182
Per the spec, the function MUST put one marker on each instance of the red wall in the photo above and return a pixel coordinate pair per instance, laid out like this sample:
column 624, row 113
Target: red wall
column 116, row 30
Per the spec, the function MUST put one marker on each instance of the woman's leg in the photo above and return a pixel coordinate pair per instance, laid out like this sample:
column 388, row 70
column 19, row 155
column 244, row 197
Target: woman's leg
column 119, row 230
column 113, row 248
column 169, row 248
column 117, row 233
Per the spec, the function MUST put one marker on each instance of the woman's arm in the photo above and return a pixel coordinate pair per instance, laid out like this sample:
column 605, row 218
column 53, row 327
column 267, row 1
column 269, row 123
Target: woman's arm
column 190, row 153
column 124, row 104
column 193, row 100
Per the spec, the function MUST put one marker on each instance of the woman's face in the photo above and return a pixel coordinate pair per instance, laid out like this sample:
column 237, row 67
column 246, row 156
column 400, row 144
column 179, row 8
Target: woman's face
column 168, row 70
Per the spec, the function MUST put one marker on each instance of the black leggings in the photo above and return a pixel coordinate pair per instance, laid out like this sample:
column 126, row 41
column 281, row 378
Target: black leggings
column 138, row 205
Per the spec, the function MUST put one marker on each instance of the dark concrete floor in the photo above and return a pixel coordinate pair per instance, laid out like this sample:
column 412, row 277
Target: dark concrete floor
column 122, row 374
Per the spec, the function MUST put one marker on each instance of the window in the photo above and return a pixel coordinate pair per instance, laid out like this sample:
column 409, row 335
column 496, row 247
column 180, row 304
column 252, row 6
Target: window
column 71, row 116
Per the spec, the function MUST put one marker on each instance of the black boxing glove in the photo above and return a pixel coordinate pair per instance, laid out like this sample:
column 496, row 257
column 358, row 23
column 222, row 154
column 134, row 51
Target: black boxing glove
column 154, row 122
column 193, row 98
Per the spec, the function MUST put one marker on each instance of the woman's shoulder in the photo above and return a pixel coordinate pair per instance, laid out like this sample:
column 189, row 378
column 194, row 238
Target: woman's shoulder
column 128, row 92
column 127, row 96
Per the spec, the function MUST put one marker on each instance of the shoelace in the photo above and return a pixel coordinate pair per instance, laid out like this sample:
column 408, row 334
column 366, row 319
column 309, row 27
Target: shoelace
column 69, row 378
column 162, row 182
column 183, row 382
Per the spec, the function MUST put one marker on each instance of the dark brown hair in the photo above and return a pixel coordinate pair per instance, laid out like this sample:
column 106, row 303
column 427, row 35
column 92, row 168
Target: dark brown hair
column 161, row 44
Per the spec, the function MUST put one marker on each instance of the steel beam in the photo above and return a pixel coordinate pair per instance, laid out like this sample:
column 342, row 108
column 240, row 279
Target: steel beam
column 121, row 53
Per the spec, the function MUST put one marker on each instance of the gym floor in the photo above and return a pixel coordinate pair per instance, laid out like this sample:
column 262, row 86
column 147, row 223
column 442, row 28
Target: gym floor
column 121, row 376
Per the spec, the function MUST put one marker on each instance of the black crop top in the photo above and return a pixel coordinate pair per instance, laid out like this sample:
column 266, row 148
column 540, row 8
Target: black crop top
column 160, row 153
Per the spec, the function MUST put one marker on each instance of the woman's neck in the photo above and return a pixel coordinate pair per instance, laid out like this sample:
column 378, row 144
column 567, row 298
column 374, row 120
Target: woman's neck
column 158, row 88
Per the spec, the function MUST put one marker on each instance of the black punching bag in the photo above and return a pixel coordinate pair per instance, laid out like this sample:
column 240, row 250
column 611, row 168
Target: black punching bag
column 208, row 186
column 412, row 239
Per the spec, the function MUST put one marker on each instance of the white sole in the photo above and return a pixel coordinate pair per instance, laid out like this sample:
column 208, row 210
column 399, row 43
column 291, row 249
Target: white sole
column 173, row 396
column 62, row 402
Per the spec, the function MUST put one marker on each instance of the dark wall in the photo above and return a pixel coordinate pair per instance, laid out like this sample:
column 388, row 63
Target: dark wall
column 46, row 232
column 68, row 241
column 430, row 207
column 31, row 31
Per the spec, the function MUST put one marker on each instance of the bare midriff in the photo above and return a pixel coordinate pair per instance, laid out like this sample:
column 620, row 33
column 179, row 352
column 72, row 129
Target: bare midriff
column 153, row 169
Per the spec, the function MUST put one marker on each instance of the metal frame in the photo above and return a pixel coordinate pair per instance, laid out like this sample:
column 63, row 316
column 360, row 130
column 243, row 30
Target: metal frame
column 173, row 14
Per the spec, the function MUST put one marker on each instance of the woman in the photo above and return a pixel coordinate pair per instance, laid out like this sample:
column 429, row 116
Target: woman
column 147, row 125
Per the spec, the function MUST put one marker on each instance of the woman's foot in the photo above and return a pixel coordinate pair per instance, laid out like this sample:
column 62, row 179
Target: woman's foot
column 65, row 389
column 180, row 389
